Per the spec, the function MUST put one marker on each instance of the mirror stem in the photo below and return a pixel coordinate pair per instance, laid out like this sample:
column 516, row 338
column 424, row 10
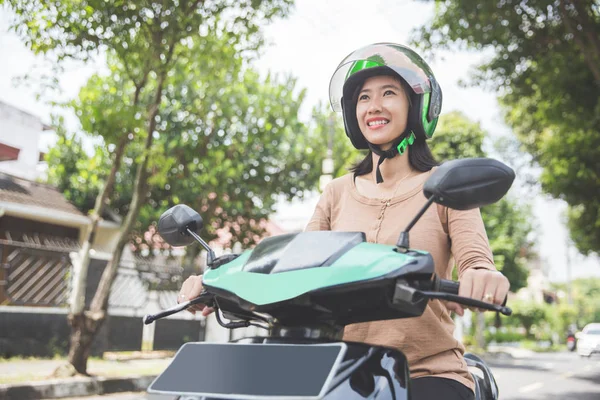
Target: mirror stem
column 210, row 257
column 403, row 241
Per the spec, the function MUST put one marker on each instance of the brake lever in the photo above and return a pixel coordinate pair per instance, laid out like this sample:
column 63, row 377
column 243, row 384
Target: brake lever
column 467, row 301
column 204, row 298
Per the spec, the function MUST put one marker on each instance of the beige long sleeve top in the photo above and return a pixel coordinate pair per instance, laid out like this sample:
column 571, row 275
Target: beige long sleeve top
column 451, row 237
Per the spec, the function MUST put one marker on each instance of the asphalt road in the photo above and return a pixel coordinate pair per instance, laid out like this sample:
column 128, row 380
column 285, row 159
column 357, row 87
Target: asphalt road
column 553, row 376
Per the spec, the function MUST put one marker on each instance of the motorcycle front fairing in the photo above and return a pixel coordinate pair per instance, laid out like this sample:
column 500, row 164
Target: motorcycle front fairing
column 330, row 277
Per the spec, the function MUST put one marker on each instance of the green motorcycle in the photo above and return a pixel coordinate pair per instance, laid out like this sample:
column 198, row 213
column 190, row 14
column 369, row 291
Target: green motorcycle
column 303, row 288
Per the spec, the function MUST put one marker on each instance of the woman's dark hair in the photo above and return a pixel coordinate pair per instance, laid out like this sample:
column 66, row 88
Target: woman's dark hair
column 419, row 154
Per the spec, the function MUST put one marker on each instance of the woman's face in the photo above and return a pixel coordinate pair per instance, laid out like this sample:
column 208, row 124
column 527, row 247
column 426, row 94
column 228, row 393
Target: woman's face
column 382, row 110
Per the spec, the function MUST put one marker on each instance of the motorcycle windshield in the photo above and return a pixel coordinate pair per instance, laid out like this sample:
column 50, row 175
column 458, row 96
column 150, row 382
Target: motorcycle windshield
column 411, row 67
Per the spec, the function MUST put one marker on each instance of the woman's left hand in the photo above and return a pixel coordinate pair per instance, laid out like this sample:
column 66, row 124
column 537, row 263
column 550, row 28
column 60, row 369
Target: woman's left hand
column 481, row 284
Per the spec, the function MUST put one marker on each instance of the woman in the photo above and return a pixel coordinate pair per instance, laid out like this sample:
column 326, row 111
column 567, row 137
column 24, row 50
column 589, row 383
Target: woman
column 390, row 103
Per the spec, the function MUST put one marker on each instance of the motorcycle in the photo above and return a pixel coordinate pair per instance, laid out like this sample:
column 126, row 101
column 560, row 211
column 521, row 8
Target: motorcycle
column 571, row 342
column 303, row 288
column 572, row 338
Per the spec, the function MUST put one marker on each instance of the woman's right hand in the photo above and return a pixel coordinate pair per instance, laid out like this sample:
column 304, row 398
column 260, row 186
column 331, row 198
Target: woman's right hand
column 191, row 288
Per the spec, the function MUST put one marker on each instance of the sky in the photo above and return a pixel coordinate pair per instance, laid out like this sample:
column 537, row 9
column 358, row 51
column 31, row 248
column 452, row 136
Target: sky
column 309, row 44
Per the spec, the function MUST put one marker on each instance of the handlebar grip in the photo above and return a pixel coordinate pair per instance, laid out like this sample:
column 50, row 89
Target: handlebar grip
column 448, row 286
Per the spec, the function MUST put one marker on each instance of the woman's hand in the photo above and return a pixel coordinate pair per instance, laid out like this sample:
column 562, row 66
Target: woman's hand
column 191, row 288
column 481, row 284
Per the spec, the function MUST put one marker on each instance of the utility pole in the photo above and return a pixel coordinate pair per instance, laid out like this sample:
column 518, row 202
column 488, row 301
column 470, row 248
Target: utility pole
column 327, row 166
column 569, row 286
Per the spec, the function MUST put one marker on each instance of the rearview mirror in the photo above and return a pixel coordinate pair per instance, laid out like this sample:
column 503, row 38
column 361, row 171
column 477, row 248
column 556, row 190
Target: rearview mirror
column 469, row 183
column 173, row 225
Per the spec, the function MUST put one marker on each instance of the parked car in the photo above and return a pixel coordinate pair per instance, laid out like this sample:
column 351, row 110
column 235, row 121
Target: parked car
column 588, row 340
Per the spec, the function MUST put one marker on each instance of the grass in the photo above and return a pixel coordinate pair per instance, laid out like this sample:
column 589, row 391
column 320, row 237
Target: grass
column 534, row 346
column 28, row 369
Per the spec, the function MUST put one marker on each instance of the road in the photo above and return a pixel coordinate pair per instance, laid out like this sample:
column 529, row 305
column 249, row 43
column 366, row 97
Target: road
column 550, row 376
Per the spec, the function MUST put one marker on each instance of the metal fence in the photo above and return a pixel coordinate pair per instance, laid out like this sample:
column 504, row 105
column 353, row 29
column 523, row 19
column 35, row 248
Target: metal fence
column 36, row 277
column 37, row 274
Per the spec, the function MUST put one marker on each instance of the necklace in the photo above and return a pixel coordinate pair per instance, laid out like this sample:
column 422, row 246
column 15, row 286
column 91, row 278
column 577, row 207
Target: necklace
column 398, row 185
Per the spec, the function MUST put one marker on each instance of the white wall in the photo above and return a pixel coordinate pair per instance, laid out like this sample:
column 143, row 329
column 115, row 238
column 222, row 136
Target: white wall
column 21, row 130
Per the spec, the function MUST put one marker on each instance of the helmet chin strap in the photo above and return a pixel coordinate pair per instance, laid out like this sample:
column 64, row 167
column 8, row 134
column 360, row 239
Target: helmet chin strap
column 399, row 146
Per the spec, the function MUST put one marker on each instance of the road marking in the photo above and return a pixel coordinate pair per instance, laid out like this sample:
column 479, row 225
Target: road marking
column 531, row 388
column 587, row 368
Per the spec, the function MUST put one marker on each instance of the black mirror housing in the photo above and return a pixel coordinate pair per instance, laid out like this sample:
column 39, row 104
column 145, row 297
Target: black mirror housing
column 175, row 222
column 469, row 183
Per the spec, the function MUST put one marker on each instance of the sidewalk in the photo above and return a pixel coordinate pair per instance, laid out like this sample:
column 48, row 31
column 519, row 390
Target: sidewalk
column 508, row 351
column 24, row 379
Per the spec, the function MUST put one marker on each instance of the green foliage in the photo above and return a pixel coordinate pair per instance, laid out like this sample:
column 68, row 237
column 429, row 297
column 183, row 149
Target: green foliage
column 232, row 159
column 216, row 122
column 529, row 314
column 507, row 222
column 503, row 336
column 457, row 137
column 227, row 144
column 546, row 66
column 72, row 170
column 344, row 155
column 508, row 225
column 562, row 316
column 586, row 302
column 78, row 29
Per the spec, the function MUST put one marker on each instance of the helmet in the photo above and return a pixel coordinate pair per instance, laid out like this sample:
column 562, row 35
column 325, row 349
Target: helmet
column 386, row 59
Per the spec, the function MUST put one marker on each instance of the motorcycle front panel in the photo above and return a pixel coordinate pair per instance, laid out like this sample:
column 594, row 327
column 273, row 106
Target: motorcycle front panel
column 282, row 268
column 285, row 370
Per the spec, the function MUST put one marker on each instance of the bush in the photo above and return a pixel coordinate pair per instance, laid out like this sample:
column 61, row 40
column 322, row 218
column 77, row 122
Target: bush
column 530, row 314
column 503, row 336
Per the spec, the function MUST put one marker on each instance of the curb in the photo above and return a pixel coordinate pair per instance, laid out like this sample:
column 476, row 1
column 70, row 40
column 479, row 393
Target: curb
column 61, row 388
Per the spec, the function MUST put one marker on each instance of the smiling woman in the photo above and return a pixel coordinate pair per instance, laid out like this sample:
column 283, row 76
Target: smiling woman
column 382, row 110
column 390, row 102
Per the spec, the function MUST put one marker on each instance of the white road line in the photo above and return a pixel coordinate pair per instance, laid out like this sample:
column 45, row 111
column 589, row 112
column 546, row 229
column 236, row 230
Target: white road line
column 587, row 368
column 531, row 388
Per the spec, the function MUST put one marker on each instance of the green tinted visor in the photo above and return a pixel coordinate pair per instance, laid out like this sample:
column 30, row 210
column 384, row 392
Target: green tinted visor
column 402, row 60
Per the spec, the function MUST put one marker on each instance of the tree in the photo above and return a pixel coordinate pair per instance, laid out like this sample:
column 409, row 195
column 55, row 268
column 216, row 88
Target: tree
column 142, row 44
column 586, row 302
column 546, row 67
column 529, row 314
column 190, row 177
column 507, row 222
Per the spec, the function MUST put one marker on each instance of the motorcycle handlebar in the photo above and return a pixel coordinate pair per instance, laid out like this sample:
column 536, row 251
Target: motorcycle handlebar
column 445, row 289
column 202, row 299
column 447, row 286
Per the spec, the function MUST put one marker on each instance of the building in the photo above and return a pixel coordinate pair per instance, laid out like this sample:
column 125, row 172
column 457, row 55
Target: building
column 20, row 134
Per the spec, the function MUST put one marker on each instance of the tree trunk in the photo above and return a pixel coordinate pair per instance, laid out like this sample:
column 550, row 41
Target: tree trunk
column 83, row 260
column 83, row 328
column 85, row 332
